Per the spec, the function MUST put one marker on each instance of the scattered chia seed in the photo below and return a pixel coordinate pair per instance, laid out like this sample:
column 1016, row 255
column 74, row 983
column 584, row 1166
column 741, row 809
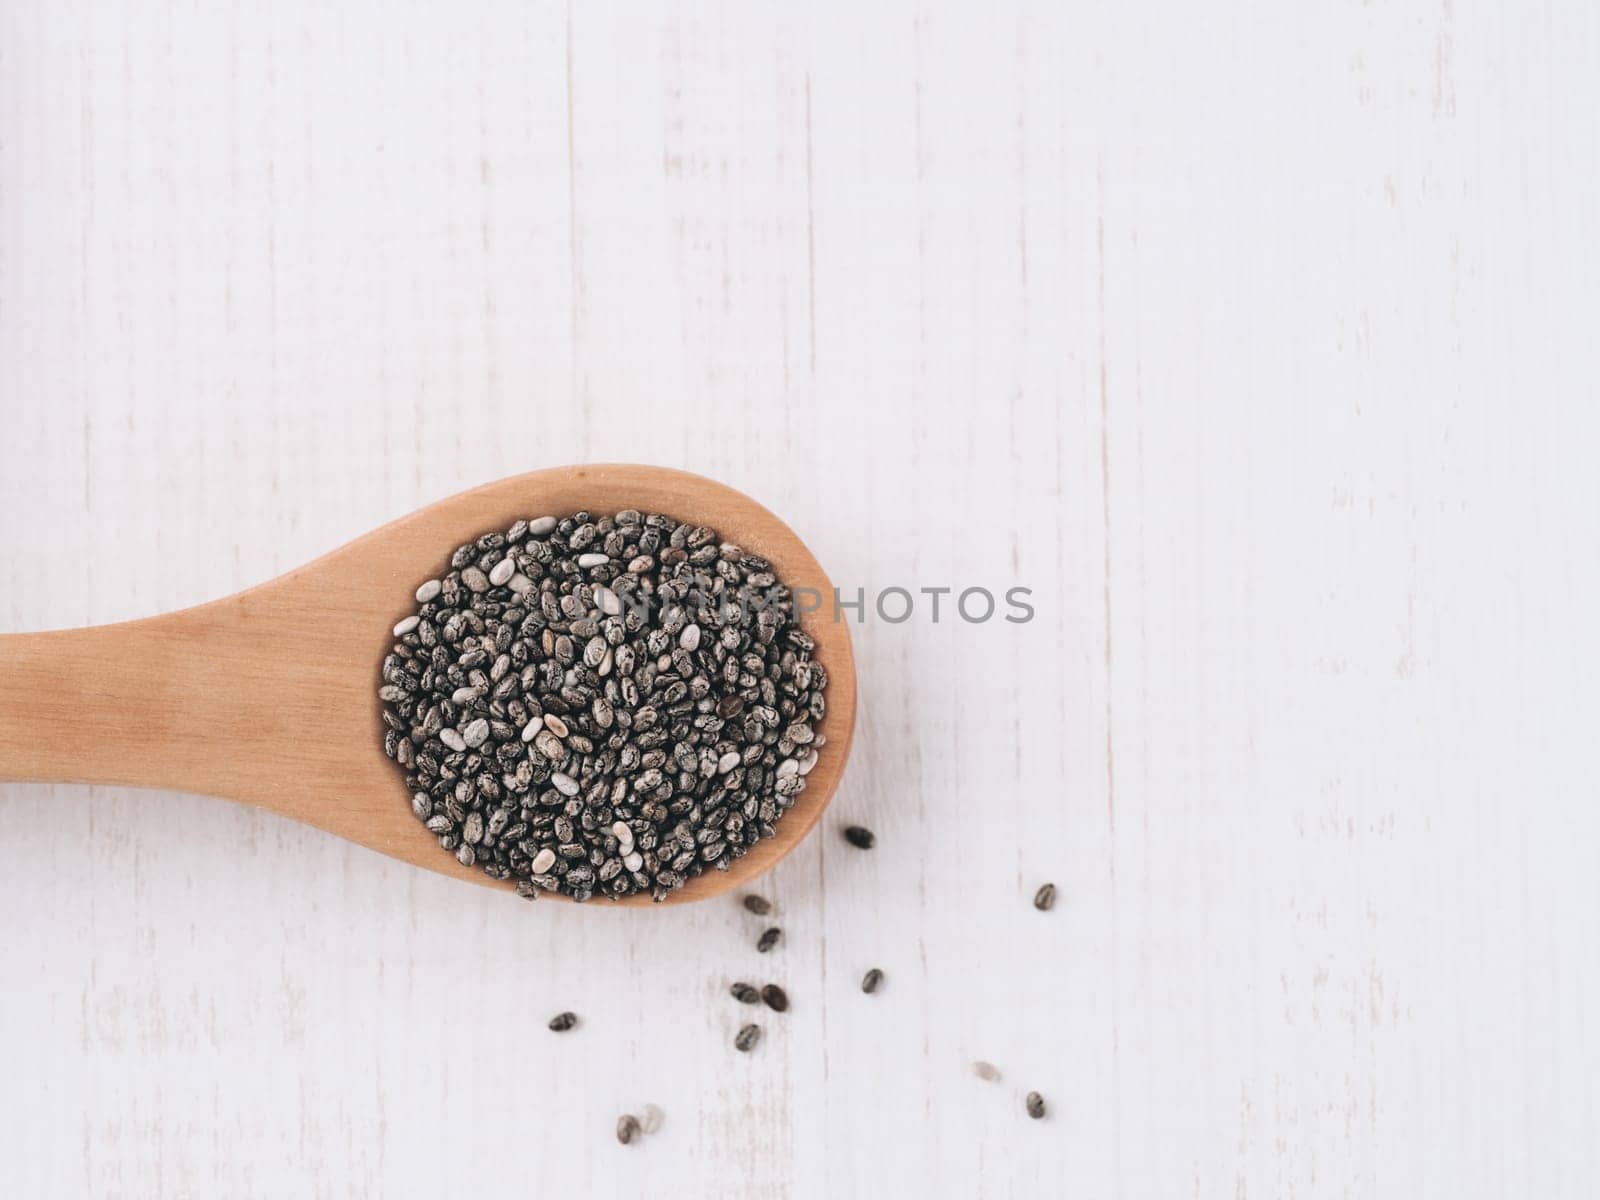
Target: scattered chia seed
column 627, row 1128
column 986, row 1071
column 871, row 980
column 562, row 1022
column 745, row 994
column 759, row 905
column 859, row 837
column 622, row 702
column 1035, row 1103
column 653, row 1119
column 777, row 999
column 747, row 1038
column 1045, row 898
column 769, row 939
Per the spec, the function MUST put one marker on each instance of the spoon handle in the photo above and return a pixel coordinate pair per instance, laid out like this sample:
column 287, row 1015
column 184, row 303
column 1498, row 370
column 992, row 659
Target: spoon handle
column 111, row 704
column 151, row 703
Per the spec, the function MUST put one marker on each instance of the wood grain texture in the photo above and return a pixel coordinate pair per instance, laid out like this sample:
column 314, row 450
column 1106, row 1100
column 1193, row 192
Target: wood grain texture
column 268, row 697
column 1254, row 338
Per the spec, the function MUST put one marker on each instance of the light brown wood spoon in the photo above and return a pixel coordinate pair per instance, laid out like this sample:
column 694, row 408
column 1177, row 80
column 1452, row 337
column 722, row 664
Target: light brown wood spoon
column 269, row 697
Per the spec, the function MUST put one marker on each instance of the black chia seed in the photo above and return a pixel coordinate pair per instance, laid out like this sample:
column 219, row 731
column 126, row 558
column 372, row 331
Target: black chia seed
column 859, row 837
column 602, row 705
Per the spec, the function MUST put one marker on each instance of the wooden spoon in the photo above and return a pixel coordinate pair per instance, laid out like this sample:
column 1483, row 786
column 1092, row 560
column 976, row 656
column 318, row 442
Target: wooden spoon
column 269, row 697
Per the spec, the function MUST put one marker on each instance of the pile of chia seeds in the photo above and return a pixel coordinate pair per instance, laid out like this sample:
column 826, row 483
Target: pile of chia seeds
column 602, row 705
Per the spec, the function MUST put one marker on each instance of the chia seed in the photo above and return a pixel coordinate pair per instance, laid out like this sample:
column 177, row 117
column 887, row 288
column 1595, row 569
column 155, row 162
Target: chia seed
column 617, row 704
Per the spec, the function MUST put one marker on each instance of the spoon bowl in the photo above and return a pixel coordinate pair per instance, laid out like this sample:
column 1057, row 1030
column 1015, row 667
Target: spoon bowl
column 269, row 697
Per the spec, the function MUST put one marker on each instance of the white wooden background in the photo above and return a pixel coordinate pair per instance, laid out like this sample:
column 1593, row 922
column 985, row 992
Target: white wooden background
column 1256, row 338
